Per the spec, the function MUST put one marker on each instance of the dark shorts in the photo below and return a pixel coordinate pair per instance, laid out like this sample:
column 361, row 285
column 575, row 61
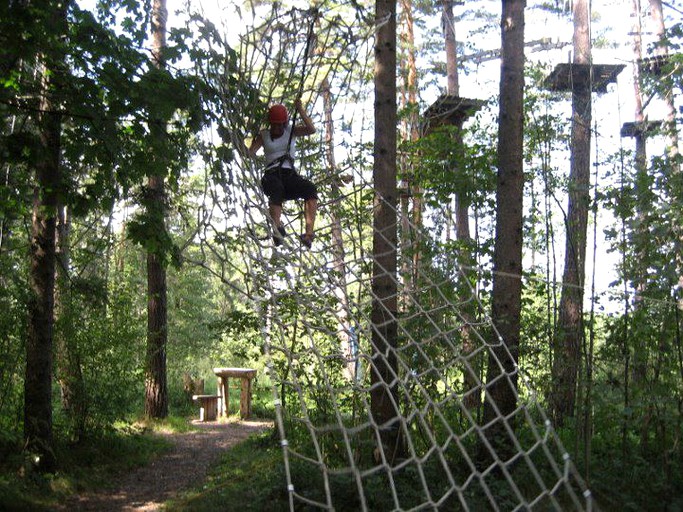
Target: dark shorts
column 283, row 184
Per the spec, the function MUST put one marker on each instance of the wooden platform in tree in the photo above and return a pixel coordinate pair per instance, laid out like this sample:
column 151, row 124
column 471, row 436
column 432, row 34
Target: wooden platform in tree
column 654, row 65
column 640, row 128
column 449, row 109
column 567, row 76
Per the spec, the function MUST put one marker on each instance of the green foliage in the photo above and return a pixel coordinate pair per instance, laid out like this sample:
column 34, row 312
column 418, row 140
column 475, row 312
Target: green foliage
column 626, row 479
column 113, row 102
column 445, row 168
column 112, row 348
column 250, row 474
column 86, row 466
column 537, row 333
column 147, row 228
column 13, row 297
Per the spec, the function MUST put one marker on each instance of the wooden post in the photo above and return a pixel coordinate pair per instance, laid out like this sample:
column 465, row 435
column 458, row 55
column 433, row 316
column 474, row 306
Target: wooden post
column 245, row 398
column 222, row 390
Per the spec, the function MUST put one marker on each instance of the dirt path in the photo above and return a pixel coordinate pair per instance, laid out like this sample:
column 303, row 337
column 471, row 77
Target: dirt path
column 148, row 487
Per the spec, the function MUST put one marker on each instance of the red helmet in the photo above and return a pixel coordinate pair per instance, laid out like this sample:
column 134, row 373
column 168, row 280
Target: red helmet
column 278, row 114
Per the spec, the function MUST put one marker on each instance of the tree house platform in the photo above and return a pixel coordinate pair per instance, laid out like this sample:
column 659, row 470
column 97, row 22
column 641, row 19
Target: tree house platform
column 639, row 128
column 449, row 109
column 655, row 65
column 567, row 76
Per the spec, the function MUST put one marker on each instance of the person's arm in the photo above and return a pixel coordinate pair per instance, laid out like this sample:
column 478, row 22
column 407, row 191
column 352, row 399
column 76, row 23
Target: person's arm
column 306, row 127
column 256, row 144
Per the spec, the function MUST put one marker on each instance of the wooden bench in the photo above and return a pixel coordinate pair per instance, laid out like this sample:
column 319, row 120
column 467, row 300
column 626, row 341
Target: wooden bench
column 208, row 406
column 245, row 375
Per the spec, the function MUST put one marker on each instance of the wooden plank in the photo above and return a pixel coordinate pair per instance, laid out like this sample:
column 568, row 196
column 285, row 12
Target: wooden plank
column 565, row 77
column 249, row 373
column 640, row 128
column 449, row 109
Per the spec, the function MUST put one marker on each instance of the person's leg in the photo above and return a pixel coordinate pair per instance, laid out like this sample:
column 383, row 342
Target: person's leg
column 274, row 189
column 275, row 211
column 297, row 187
column 279, row 232
column 310, row 209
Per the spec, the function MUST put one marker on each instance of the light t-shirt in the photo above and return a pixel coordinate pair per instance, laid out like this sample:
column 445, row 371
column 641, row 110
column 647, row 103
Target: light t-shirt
column 274, row 149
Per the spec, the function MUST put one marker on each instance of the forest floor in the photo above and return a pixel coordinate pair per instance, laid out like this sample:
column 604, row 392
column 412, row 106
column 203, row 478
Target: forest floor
column 185, row 465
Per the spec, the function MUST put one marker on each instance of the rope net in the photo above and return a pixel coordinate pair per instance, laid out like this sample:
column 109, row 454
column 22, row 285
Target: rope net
column 316, row 308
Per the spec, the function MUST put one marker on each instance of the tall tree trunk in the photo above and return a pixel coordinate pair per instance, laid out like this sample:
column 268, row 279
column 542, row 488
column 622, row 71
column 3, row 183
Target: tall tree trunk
column 462, row 217
column 570, row 323
column 450, row 44
column 38, row 438
column 345, row 333
column 462, row 213
column 384, row 371
column 662, row 49
column 38, row 382
column 69, row 372
column 156, row 392
column 642, row 191
column 507, row 257
column 675, row 181
column 410, row 190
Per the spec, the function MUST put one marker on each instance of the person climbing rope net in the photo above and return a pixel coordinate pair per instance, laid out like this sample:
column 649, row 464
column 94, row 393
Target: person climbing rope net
column 280, row 180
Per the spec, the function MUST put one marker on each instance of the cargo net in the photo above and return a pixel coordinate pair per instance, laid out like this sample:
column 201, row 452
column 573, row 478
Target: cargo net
column 382, row 403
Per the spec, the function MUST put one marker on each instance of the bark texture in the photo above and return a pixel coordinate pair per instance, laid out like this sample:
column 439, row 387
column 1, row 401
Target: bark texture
column 570, row 322
column 502, row 376
column 156, row 392
column 69, row 372
column 384, row 378
column 38, row 439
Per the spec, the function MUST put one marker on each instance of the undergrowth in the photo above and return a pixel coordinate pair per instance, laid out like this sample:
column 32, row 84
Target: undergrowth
column 249, row 478
column 83, row 466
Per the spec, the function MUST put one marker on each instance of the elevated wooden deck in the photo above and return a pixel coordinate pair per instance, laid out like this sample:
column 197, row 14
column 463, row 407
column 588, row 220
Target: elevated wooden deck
column 565, row 77
column 640, row 128
column 449, row 109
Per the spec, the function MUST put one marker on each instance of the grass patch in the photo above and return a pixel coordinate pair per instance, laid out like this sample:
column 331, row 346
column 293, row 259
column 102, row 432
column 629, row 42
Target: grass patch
column 249, row 478
column 172, row 424
column 84, row 466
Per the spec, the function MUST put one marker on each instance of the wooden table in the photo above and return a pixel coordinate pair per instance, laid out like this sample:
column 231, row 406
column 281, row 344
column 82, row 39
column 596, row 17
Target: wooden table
column 245, row 375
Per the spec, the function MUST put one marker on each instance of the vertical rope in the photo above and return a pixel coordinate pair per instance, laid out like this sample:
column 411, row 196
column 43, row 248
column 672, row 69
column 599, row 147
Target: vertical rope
column 588, row 425
column 309, row 39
